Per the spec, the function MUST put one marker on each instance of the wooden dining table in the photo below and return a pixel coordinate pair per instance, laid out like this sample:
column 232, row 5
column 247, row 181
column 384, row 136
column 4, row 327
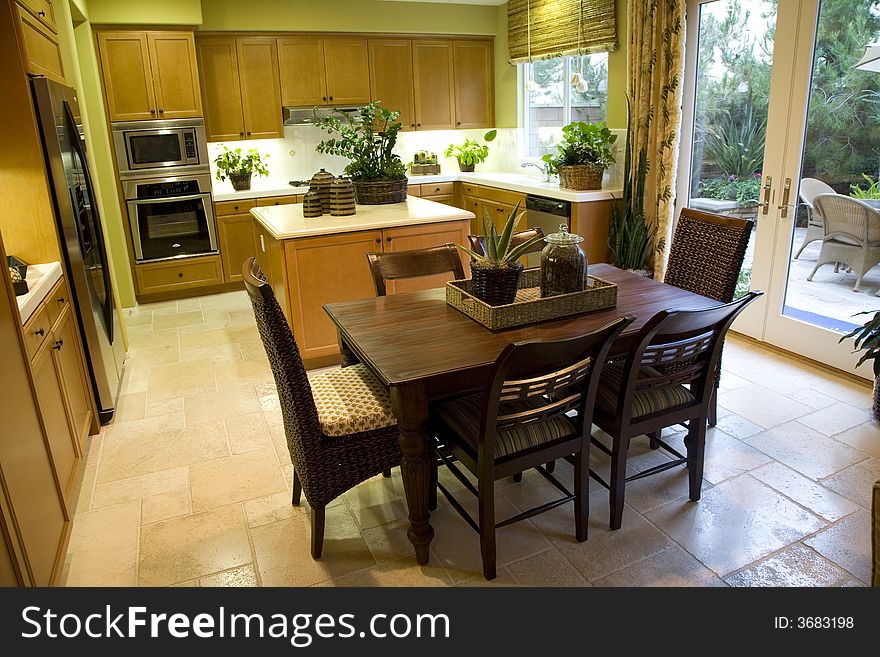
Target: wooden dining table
column 425, row 350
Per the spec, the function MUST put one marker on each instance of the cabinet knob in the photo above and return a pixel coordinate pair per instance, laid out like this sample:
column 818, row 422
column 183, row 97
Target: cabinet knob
column 40, row 332
column 241, row 134
column 161, row 111
column 58, row 344
column 331, row 97
column 235, row 207
column 152, row 111
column 418, row 125
column 388, row 239
column 412, row 125
column 180, row 274
column 247, row 133
column 378, row 240
column 324, row 98
column 62, row 300
column 458, row 123
column 41, row 13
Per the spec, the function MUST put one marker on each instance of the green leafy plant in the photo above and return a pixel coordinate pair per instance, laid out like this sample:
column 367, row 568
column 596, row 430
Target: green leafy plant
column 583, row 143
column 232, row 162
column 472, row 151
column 872, row 192
column 745, row 191
column 737, row 146
column 743, row 283
column 867, row 338
column 367, row 143
column 628, row 233
column 498, row 247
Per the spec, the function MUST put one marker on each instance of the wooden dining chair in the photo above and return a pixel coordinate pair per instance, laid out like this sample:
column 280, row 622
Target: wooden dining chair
column 414, row 263
column 339, row 425
column 667, row 378
column 519, row 422
column 478, row 242
column 706, row 257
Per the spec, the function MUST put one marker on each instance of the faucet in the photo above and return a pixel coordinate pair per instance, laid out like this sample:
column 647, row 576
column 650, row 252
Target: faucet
column 542, row 168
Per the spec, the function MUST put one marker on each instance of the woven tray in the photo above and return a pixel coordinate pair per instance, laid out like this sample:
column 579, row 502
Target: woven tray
column 529, row 307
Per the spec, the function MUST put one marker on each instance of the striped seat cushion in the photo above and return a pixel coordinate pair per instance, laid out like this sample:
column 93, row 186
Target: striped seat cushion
column 351, row 400
column 644, row 402
column 463, row 417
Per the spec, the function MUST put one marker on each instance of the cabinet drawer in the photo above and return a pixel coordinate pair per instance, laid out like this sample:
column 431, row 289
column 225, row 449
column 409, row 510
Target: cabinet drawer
column 44, row 10
column 57, row 301
column 437, row 189
column 36, row 331
column 414, row 190
column 469, row 189
column 446, row 199
column 179, row 274
column 234, row 207
column 41, row 47
column 279, row 200
column 503, row 196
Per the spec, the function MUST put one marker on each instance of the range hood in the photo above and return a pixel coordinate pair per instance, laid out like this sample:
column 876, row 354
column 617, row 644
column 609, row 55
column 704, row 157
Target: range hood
column 305, row 115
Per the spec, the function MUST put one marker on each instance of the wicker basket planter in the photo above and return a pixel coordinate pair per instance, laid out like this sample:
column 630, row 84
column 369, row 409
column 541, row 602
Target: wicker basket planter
column 496, row 286
column 380, row 192
column 580, row 177
column 466, row 168
column 240, row 181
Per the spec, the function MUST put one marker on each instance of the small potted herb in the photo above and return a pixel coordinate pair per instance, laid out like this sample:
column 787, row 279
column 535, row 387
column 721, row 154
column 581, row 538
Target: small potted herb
column 867, row 338
column 583, row 155
column 495, row 275
column 472, row 152
column 239, row 168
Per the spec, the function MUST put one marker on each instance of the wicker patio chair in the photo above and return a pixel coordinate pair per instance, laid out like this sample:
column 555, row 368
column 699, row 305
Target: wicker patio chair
column 810, row 189
column 339, row 425
column 852, row 235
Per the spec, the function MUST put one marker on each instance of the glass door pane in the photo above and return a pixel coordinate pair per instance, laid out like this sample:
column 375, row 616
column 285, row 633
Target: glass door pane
column 835, row 240
column 735, row 46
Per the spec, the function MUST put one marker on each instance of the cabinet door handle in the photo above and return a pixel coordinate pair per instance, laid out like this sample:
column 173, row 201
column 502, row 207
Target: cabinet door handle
column 412, row 125
column 152, row 111
column 40, row 332
column 378, row 240
column 262, row 243
column 324, row 98
column 235, row 207
column 418, row 125
column 247, row 133
column 58, row 344
column 388, row 239
column 458, row 123
column 62, row 300
column 180, row 274
column 331, row 98
column 241, row 134
column 41, row 13
column 161, row 111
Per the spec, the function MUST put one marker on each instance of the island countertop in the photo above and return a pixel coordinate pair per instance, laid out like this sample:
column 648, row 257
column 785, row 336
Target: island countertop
column 284, row 222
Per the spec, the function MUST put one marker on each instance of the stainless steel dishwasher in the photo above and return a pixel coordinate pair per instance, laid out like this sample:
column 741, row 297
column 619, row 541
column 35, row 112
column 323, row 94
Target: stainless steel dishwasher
column 546, row 214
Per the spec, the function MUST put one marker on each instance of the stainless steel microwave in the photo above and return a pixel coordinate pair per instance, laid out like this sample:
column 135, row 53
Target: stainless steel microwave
column 160, row 148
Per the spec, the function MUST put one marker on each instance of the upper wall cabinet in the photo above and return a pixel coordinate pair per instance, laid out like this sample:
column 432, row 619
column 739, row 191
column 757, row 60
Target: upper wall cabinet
column 391, row 77
column 433, row 72
column 39, row 39
column 149, row 75
column 474, row 84
column 324, row 71
column 241, row 88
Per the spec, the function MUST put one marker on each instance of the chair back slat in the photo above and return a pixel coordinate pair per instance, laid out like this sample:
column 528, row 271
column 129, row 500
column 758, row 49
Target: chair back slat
column 707, row 253
column 545, row 384
column 478, row 242
column 414, row 263
column 554, row 407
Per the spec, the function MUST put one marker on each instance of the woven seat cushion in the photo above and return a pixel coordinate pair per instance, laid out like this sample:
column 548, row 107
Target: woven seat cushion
column 463, row 417
column 645, row 402
column 351, row 400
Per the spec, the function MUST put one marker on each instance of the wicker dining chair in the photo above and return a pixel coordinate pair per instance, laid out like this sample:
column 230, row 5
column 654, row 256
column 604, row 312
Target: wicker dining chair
column 339, row 425
column 414, row 263
column 852, row 235
column 519, row 422
column 667, row 378
column 810, row 188
column 706, row 257
column 478, row 242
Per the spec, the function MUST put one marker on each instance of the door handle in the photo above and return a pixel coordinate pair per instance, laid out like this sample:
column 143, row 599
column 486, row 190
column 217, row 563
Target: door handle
column 262, row 243
column 57, row 346
column 786, row 192
column 768, row 184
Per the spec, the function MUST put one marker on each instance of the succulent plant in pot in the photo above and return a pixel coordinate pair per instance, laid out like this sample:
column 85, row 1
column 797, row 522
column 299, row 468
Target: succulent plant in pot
column 495, row 274
column 472, row 152
column 240, row 168
column 582, row 156
column 867, row 338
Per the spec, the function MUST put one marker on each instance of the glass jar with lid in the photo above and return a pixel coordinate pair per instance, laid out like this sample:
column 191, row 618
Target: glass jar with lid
column 563, row 264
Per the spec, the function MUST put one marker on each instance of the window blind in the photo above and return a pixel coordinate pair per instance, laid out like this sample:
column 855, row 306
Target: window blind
column 554, row 28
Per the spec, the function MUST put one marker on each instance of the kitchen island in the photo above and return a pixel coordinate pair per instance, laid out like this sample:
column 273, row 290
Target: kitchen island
column 313, row 261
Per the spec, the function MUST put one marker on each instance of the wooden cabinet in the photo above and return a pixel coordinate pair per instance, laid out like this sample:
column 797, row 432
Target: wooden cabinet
column 71, row 370
column 391, row 77
column 241, row 87
column 236, row 236
column 39, row 42
column 329, row 71
column 174, row 275
column 149, row 75
column 474, row 84
column 497, row 203
column 442, row 192
column 288, row 199
column 329, row 269
column 433, row 71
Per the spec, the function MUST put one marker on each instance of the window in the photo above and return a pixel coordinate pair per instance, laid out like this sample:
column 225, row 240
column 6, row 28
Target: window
column 553, row 102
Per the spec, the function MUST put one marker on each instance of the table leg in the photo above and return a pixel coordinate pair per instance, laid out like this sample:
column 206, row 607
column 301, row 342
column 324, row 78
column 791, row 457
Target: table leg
column 348, row 356
column 410, row 404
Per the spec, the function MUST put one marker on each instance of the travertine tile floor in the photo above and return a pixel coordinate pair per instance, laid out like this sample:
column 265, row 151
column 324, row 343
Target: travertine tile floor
column 190, row 485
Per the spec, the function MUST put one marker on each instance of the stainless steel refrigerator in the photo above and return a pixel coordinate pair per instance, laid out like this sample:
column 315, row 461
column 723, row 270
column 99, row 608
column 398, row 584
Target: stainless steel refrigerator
column 85, row 253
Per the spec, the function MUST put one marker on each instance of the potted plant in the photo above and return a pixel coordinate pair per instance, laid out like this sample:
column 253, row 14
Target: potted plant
column 239, row 168
column 495, row 275
column 583, row 155
column 377, row 174
column 471, row 153
column 867, row 338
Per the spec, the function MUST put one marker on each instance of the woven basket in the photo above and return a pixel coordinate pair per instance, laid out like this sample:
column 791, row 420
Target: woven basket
column 466, row 168
column 529, row 307
column 240, row 181
column 380, row 192
column 496, row 285
column 580, row 176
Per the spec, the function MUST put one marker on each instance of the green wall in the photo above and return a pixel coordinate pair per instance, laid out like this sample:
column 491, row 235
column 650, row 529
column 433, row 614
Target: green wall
column 617, row 73
column 149, row 12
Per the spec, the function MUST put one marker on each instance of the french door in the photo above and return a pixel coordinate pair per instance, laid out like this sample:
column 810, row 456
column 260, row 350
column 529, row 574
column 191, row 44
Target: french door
column 776, row 94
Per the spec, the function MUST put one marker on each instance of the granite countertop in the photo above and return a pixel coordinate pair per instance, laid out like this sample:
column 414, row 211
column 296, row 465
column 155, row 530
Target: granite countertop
column 41, row 279
column 287, row 221
column 520, row 182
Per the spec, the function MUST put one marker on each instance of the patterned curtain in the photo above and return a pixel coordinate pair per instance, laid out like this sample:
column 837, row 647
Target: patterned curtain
column 654, row 83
